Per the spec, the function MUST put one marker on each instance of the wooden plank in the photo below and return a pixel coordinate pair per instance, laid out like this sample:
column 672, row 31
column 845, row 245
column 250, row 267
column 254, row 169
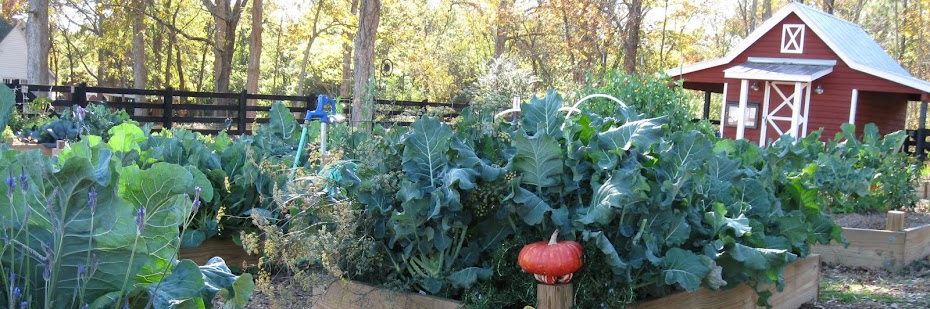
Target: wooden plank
column 344, row 294
column 233, row 254
column 917, row 243
column 895, row 221
column 558, row 296
column 802, row 279
column 867, row 248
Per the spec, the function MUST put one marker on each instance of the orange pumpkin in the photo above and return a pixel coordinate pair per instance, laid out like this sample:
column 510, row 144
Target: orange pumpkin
column 553, row 261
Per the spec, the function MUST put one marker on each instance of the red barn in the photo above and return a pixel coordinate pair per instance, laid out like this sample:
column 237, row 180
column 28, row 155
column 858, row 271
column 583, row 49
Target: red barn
column 802, row 70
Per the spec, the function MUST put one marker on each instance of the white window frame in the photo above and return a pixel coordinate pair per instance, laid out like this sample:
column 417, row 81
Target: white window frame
column 792, row 38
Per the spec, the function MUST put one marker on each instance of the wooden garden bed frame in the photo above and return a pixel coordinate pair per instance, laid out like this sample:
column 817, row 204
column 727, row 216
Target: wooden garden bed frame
column 51, row 152
column 802, row 285
column 892, row 248
column 802, row 281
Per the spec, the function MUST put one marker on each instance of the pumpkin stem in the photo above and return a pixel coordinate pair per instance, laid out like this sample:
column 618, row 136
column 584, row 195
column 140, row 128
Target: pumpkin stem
column 555, row 237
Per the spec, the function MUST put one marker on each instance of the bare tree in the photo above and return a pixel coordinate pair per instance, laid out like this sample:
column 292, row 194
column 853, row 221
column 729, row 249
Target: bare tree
column 139, row 70
column 634, row 20
column 226, row 14
column 347, row 56
column 369, row 16
column 38, row 43
column 255, row 50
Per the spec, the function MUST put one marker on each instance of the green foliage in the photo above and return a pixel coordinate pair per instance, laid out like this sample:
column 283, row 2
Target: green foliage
column 96, row 119
column 661, row 210
column 90, row 230
column 652, row 96
column 853, row 174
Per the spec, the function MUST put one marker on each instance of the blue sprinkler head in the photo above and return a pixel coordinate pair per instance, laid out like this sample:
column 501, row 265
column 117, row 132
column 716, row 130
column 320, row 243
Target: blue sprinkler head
column 321, row 114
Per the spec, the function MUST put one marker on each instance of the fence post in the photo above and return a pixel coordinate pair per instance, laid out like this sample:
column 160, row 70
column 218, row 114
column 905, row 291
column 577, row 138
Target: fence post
column 79, row 97
column 921, row 135
column 242, row 112
column 168, row 109
column 17, row 90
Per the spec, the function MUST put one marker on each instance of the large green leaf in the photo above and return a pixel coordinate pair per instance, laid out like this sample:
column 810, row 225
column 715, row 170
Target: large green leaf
column 539, row 159
column 532, row 208
column 541, row 115
column 684, row 268
column 126, row 137
column 625, row 187
column 613, row 142
column 425, row 151
column 467, row 277
column 181, row 289
column 218, row 279
column 281, row 123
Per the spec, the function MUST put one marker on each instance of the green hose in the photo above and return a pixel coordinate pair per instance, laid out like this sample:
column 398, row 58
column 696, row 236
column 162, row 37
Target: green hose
column 300, row 149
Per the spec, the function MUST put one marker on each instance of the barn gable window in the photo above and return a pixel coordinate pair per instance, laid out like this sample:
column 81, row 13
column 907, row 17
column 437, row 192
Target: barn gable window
column 792, row 39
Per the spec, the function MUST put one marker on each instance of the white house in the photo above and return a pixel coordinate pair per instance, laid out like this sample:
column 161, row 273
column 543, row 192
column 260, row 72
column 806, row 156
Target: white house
column 12, row 50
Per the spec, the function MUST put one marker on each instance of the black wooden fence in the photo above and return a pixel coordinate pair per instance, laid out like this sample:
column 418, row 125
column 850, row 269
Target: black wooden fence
column 914, row 147
column 207, row 112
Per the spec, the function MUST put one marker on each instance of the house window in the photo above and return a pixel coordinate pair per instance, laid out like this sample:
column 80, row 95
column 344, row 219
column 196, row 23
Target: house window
column 792, row 39
column 752, row 114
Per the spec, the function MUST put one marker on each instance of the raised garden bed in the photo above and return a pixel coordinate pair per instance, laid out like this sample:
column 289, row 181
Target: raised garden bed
column 233, row 254
column 51, row 152
column 891, row 248
column 802, row 279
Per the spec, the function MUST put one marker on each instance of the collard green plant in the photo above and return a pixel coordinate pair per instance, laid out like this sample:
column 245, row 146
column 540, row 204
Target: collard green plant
column 91, row 231
column 661, row 210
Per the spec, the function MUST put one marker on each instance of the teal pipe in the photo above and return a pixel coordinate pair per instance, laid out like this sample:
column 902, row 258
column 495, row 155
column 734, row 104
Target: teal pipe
column 300, row 149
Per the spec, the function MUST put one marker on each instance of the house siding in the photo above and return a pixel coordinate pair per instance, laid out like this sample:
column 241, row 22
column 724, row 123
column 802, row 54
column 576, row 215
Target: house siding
column 828, row 110
column 13, row 55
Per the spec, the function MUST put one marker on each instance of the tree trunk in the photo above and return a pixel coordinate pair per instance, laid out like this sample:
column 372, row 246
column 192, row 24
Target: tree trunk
column 369, row 17
column 139, row 70
column 502, row 29
column 226, row 18
column 255, row 51
column 38, row 43
column 347, row 57
column 766, row 9
column 829, row 6
column 631, row 41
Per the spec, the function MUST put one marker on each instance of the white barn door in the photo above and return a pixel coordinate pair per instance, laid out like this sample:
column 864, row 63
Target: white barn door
column 791, row 101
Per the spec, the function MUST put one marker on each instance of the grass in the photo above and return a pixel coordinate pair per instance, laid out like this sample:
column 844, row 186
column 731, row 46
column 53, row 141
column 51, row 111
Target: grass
column 855, row 292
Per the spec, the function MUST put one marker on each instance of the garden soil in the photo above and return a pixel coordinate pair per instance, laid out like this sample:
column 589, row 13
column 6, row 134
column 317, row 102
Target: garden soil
column 877, row 221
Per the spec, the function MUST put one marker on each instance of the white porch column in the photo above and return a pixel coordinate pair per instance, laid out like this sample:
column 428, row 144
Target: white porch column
column 741, row 112
column 723, row 110
column 796, row 109
column 853, row 104
column 765, row 114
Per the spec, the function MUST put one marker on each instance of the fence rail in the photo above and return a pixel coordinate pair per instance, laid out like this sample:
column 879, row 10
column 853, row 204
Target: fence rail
column 205, row 112
column 913, row 146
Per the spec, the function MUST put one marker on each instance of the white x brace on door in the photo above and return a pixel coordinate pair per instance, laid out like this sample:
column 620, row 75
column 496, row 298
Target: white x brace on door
column 790, row 115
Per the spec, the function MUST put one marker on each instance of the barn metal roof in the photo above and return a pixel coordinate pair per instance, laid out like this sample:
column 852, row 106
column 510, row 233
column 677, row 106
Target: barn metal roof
column 780, row 69
column 849, row 41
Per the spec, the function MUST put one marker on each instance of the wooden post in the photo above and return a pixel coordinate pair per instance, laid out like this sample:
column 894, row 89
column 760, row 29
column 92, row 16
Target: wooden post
column 79, row 97
column 168, row 109
column 706, row 105
column 559, row 296
column 921, row 135
column 242, row 123
column 895, row 221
